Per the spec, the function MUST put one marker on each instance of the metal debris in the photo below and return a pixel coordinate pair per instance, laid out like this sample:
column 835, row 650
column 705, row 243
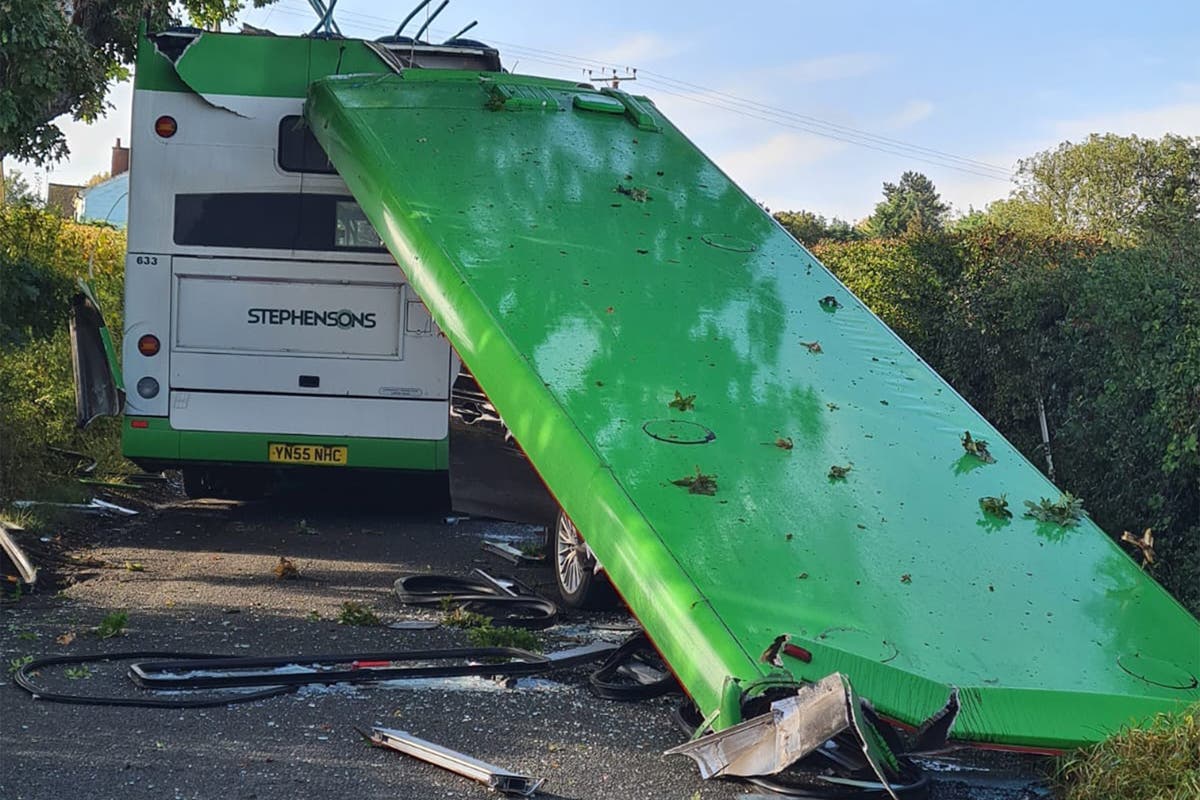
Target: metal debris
column 794, row 727
column 510, row 553
column 25, row 570
column 495, row 778
column 93, row 506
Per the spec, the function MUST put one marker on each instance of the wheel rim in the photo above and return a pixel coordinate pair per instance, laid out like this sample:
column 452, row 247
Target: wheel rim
column 570, row 559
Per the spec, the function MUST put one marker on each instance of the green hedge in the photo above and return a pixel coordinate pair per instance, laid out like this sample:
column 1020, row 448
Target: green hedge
column 41, row 258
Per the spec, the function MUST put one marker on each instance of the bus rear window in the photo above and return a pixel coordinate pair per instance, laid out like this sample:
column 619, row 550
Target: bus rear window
column 299, row 150
column 273, row 221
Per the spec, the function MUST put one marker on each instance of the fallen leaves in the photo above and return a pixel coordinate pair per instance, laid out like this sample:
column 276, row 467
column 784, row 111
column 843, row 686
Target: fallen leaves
column 838, row 473
column 1144, row 544
column 813, row 347
column 977, row 448
column 698, row 483
column 683, row 402
column 996, row 506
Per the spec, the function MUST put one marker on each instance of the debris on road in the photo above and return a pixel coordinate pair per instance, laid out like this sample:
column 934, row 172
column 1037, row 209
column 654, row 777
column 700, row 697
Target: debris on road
column 793, row 728
column 93, row 506
column 512, row 554
column 15, row 565
column 508, row 604
column 285, row 570
column 495, row 778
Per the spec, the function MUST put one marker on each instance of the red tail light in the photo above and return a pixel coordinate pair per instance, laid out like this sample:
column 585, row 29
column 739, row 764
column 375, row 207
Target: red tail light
column 165, row 127
column 139, row 423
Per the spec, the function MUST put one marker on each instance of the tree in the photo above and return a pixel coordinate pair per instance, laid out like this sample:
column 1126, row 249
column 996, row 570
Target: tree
column 61, row 58
column 98, row 178
column 913, row 204
column 1121, row 188
column 17, row 190
column 809, row 228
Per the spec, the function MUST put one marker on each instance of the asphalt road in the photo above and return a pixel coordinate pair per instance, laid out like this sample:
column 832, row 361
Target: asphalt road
column 198, row 576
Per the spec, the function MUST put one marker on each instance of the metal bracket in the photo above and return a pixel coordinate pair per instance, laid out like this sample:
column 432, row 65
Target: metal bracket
column 795, row 727
column 495, row 778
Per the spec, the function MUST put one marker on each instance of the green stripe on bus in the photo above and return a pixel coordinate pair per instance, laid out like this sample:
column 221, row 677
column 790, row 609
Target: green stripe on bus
column 159, row 442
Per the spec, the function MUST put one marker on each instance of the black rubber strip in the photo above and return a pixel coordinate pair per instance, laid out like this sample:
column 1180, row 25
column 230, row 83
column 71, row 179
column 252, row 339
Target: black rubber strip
column 605, row 683
column 483, row 597
column 431, row 590
column 486, row 661
column 24, row 678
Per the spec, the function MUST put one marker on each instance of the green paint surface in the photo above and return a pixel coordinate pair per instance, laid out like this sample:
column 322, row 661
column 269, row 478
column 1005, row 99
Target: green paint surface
column 587, row 267
column 159, row 442
column 267, row 66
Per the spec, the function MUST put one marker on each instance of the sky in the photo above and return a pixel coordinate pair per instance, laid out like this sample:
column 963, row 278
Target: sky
column 814, row 105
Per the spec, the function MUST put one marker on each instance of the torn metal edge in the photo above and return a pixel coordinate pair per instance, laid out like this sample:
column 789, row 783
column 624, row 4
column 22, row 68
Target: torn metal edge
column 177, row 62
column 25, row 568
column 495, row 778
column 794, row 728
column 769, row 743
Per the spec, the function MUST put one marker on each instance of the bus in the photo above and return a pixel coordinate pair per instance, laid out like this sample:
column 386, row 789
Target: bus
column 266, row 325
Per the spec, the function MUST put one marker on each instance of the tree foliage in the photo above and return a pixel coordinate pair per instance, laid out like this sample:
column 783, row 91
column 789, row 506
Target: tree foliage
column 810, row 228
column 912, row 205
column 61, row 58
column 1121, row 188
column 18, row 190
column 41, row 257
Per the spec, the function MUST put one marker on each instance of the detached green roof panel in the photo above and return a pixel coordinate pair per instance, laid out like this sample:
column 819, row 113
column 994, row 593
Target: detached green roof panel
column 587, row 264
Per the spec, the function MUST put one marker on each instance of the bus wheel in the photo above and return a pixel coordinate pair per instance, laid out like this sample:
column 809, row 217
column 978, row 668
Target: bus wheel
column 579, row 584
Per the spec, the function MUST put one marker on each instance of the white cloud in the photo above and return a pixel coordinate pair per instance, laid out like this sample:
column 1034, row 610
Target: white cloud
column 638, row 49
column 781, row 153
column 1179, row 118
column 828, row 68
column 913, row 112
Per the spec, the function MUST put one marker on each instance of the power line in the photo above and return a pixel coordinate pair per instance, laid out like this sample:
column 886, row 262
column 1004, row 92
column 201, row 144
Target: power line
column 734, row 104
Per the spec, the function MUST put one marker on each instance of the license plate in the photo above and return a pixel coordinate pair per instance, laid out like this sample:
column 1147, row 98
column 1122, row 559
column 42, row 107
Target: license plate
column 325, row 455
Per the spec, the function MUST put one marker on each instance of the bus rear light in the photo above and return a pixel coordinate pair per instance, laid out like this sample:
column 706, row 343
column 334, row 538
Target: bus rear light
column 148, row 345
column 147, row 387
column 165, row 126
column 139, row 423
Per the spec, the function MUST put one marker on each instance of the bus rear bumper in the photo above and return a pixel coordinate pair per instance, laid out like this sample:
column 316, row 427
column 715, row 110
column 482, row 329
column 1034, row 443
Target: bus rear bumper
column 152, row 443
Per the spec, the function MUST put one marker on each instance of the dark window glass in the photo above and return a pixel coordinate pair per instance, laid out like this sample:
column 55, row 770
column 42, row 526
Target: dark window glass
column 274, row 222
column 299, row 150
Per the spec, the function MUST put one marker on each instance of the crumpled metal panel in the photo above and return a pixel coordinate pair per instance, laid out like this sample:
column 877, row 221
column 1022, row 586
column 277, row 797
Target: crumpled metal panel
column 587, row 268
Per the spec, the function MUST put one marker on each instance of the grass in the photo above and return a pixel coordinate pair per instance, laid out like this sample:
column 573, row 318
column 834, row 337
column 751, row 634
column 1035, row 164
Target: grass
column 356, row 613
column 16, row 663
column 461, row 618
column 487, row 636
column 1158, row 762
column 78, row 673
column 41, row 257
column 113, row 625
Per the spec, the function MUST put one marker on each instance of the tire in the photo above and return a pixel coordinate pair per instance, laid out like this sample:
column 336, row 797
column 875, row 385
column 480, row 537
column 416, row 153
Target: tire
column 579, row 585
